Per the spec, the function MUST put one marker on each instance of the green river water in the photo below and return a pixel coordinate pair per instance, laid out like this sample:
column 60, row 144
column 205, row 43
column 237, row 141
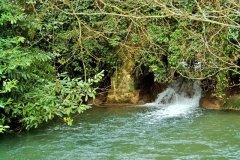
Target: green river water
column 130, row 133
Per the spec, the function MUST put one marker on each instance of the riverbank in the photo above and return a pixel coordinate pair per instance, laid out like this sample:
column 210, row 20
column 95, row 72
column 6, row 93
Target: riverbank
column 213, row 103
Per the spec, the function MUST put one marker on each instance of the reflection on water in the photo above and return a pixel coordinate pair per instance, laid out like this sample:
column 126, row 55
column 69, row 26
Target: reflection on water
column 130, row 133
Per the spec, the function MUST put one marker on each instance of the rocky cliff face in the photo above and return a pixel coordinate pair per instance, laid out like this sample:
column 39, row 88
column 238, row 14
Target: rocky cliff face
column 122, row 82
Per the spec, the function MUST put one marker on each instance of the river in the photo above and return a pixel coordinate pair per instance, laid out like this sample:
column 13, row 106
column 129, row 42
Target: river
column 130, row 133
column 171, row 127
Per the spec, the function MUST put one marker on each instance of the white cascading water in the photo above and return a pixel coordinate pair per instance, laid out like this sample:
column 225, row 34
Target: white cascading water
column 180, row 98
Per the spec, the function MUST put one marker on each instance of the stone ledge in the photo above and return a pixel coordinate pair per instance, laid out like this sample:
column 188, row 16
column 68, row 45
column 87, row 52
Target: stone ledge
column 213, row 103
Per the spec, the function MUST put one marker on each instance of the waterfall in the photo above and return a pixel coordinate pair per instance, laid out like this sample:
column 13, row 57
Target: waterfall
column 180, row 98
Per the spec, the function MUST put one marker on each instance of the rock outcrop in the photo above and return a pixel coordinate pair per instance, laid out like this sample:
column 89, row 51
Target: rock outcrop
column 122, row 82
column 213, row 103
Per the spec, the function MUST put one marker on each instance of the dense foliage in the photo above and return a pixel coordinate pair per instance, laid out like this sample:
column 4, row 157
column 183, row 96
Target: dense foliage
column 45, row 46
column 30, row 92
column 196, row 39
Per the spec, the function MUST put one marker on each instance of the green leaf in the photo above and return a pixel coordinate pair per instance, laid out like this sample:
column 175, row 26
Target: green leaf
column 1, row 104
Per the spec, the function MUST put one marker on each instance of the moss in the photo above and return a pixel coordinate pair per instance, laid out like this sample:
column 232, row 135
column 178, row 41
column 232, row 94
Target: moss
column 122, row 83
column 232, row 102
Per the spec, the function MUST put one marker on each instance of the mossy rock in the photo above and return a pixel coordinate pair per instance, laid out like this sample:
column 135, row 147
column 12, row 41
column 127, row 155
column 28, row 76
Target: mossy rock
column 232, row 102
column 214, row 103
column 122, row 82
